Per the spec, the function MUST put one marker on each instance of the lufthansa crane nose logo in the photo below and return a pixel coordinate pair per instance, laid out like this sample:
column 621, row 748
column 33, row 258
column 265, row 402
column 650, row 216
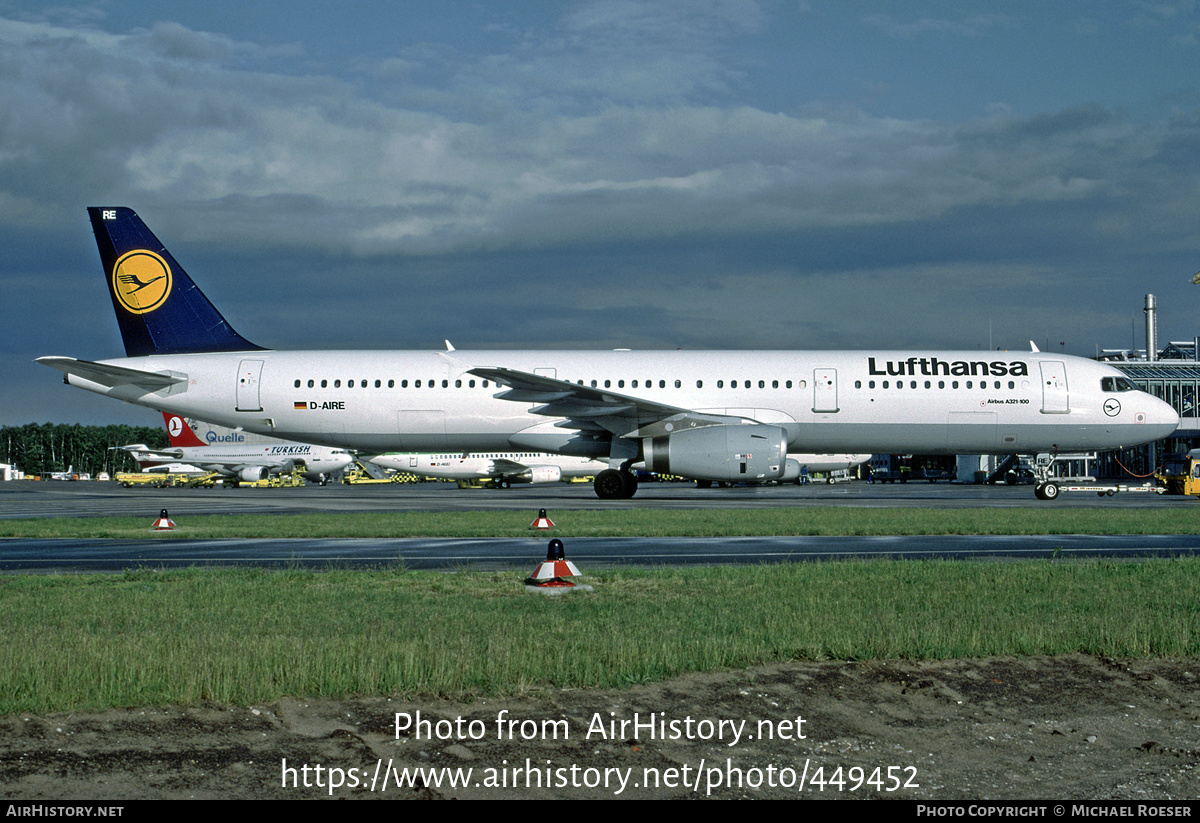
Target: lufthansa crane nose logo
column 141, row 280
column 1112, row 407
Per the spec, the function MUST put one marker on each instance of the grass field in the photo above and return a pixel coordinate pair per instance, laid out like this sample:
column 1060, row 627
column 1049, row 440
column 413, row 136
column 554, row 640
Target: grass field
column 240, row 636
column 247, row 636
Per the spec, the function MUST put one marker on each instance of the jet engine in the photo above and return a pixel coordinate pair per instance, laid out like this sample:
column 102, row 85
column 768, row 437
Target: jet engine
column 540, row 474
column 252, row 474
column 723, row 453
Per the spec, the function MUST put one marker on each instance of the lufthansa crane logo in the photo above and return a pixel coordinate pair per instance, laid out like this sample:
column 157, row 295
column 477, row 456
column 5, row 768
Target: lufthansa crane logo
column 141, row 280
column 1112, row 407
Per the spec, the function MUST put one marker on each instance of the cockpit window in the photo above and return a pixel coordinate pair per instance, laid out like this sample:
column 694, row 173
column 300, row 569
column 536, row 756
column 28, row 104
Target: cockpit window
column 1116, row 384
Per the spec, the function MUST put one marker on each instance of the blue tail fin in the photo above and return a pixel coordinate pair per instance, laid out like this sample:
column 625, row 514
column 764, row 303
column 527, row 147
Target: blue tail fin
column 159, row 308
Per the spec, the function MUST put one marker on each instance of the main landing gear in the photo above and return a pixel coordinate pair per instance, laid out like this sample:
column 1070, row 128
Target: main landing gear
column 615, row 484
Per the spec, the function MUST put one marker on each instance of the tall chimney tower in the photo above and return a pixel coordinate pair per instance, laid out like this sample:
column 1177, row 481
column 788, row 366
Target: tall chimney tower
column 1151, row 328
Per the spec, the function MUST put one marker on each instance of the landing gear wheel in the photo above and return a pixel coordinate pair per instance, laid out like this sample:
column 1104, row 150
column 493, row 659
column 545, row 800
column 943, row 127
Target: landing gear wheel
column 1046, row 491
column 609, row 485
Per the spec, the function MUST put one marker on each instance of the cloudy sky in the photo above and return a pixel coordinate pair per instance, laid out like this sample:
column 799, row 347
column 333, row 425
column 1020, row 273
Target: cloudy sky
column 598, row 174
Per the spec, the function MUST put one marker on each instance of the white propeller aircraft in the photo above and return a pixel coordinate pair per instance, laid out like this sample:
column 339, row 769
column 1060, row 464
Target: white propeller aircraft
column 709, row 415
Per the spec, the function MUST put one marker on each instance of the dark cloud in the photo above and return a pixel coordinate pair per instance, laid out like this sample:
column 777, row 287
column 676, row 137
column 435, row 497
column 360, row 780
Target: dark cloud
column 604, row 179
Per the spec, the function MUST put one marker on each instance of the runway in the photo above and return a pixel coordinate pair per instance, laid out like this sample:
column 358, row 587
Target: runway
column 97, row 499
column 84, row 499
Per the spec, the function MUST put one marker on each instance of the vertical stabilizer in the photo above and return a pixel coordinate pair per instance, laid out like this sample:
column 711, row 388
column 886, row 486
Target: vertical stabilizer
column 159, row 309
column 179, row 432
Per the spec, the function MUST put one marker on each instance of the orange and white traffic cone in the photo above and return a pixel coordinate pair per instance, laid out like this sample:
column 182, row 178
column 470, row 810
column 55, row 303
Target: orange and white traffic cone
column 555, row 570
column 542, row 521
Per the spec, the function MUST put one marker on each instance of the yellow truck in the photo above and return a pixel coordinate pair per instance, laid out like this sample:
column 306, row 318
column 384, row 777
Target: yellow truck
column 1180, row 473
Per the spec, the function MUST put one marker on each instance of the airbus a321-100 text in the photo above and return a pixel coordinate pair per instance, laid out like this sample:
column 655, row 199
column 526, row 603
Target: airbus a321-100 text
column 709, row 415
column 232, row 457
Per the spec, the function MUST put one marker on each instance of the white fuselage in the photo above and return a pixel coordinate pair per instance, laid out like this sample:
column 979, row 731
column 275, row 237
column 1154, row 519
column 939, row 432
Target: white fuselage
column 893, row 402
column 233, row 459
column 828, row 462
column 514, row 467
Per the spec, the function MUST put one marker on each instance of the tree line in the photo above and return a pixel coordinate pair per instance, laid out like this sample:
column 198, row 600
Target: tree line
column 39, row 449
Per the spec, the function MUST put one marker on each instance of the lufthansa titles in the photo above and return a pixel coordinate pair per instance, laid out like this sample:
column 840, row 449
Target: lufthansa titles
column 932, row 366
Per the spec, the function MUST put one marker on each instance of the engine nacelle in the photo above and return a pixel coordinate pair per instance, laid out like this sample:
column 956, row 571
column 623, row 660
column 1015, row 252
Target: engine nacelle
column 541, row 474
column 791, row 471
column 723, row 453
column 252, row 474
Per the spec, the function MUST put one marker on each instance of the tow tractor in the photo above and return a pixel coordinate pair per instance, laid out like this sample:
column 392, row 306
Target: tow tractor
column 1049, row 488
column 1181, row 473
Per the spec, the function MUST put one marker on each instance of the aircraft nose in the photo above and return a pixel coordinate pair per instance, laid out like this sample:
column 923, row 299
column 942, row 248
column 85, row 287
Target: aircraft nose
column 1162, row 416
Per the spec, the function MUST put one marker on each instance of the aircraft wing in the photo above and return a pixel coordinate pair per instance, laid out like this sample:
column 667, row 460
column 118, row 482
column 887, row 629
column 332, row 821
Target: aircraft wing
column 112, row 376
column 503, row 466
column 595, row 409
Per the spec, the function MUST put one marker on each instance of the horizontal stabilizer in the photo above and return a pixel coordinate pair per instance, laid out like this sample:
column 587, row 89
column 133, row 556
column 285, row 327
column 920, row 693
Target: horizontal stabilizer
column 112, row 376
column 143, row 453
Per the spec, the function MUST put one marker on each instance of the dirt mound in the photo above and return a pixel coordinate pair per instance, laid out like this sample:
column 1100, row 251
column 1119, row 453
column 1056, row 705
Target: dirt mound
column 1072, row 727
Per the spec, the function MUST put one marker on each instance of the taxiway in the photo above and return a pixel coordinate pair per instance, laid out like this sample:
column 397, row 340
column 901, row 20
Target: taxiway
column 68, row 499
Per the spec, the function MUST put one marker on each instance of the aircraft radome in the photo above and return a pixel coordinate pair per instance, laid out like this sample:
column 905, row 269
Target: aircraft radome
column 710, row 415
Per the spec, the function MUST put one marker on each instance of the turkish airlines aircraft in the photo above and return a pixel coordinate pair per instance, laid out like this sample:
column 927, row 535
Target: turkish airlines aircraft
column 709, row 415
column 230, row 455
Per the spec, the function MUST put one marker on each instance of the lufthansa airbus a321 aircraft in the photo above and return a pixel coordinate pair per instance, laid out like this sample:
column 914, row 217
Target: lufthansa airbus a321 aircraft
column 709, row 415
